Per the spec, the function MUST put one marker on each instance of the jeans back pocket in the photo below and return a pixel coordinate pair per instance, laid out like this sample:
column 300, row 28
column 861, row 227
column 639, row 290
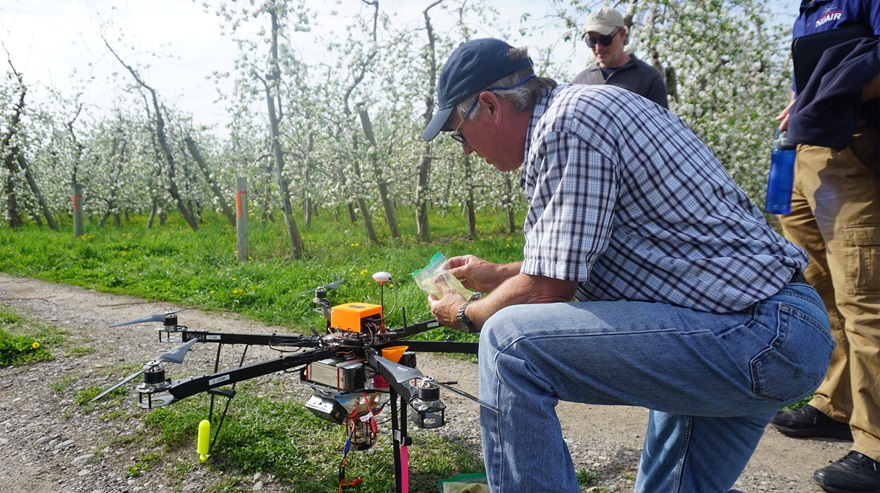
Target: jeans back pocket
column 795, row 362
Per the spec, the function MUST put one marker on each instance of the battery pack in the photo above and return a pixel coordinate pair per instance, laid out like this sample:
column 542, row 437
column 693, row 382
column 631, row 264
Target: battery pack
column 337, row 373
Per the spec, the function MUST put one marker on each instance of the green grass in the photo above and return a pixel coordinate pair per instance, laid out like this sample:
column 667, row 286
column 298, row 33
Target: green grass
column 175, row 265
column 23, row 342
column 270, row 432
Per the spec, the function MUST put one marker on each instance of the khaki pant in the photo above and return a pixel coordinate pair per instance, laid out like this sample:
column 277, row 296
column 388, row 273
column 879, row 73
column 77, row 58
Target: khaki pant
column 835, row 217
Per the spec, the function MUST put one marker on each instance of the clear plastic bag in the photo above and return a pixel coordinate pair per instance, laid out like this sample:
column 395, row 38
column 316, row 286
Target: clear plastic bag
column 425, row 278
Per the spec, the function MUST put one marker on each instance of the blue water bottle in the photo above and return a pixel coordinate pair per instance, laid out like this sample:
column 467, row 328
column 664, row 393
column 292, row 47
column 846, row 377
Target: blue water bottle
column 781, row 178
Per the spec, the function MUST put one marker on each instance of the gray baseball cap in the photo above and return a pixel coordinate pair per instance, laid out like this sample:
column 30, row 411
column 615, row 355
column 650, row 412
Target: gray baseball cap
column 602, row 21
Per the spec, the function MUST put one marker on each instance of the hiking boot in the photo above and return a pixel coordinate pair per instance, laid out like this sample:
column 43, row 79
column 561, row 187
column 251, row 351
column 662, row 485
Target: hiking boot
column 855, row 473
column 809, row 422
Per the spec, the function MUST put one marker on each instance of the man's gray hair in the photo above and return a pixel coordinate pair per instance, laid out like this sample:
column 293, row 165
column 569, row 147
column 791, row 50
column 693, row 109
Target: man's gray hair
column 524, row 96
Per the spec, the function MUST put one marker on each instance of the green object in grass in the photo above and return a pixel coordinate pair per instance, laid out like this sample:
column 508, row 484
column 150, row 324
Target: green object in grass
column 465, row 483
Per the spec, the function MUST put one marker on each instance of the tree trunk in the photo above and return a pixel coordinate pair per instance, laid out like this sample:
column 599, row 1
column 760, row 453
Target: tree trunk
column 292, row 231
column 218, row 194
column 15, row 219
column 307, row 210
column 469, row 199
column 369, row 230
column 266, row 215
column 35, row 189
column 152, row 217
column 384, row 196
column 273, row 81
column 423, row 232
column 10, row 160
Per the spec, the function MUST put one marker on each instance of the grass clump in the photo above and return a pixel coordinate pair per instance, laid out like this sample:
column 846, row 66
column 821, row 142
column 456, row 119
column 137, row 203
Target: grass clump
column 22, row 342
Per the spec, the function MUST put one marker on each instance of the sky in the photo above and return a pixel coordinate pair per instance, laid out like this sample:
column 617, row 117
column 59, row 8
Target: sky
column 47, row 39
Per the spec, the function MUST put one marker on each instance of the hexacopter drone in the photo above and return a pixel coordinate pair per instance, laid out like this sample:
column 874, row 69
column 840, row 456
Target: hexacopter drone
column 355, row 368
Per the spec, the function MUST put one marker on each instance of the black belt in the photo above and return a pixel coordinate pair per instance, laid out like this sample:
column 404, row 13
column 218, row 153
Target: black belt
column 798, row 276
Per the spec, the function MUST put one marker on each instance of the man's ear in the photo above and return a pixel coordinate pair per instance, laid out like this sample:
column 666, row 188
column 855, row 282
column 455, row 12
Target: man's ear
column 490, row 102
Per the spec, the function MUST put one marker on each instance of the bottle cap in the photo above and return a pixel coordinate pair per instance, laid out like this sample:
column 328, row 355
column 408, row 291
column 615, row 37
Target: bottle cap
column 782, row 142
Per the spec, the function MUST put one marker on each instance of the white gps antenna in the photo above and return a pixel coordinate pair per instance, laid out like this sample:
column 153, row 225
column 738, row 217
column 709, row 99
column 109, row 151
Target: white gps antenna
column 382, row 277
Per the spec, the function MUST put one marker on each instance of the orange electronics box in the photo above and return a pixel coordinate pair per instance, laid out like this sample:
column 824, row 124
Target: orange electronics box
column 350, row 315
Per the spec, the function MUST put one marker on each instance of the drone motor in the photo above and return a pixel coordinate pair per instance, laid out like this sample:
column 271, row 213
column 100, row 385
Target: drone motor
column 430, row 411
column 169, row 321
column 154, row 375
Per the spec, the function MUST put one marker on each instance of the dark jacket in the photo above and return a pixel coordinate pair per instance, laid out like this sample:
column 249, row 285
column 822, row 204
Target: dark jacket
column 826, row 112
column 634, row 76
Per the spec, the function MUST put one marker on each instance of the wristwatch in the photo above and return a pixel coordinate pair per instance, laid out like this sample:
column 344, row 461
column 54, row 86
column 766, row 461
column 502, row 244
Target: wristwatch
column 462, row 322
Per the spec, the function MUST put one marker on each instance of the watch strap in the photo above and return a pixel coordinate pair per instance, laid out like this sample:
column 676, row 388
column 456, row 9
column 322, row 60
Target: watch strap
column 462, row 321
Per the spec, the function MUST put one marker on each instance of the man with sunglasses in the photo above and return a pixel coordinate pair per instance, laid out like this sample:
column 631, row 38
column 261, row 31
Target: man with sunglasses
column 688, row 303
column 605, row 34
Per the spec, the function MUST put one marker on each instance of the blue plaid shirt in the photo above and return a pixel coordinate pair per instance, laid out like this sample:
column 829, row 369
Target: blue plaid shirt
column 626, row 200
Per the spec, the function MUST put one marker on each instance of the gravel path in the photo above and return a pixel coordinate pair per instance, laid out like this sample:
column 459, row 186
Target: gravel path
column 49, row 445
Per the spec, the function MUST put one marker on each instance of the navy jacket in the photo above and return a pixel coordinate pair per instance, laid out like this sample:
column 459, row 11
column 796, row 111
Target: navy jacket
column 826, row 112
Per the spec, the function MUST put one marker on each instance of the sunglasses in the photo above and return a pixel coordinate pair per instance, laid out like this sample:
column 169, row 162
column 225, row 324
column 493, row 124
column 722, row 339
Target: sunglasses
column 456, row 134
column 604, row 40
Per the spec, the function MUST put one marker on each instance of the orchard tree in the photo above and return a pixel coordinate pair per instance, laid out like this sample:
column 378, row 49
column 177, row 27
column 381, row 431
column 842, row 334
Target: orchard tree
column 56, row 147
column 13, row 107
column 266, row 65
column 112, row 174
column 245, row 153
column 355, row 60
column 20, row 187
column 158, row 118
column 730, row 77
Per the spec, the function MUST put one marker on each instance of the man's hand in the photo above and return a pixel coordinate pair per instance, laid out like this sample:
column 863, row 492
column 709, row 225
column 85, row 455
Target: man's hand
column 445, row 310
column 782, row 117
column 480, row 275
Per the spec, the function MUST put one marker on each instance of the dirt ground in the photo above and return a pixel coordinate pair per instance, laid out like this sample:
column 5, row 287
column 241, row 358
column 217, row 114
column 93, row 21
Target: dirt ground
column 48, row 445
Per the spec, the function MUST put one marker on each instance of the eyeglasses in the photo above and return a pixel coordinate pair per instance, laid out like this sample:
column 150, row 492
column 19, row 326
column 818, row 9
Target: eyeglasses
column 456, row 134
column 604, row 40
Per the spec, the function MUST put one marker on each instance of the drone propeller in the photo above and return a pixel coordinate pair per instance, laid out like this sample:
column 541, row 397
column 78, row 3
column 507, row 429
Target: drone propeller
column 333, row 285
column 330, row 286
column 176, row 355
column 157, row 317
column 462, row 393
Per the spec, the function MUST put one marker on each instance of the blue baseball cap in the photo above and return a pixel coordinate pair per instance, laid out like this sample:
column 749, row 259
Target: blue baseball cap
column 471, row 67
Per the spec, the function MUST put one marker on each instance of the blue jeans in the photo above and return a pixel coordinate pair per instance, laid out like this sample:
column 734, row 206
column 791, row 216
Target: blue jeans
column 712, row 382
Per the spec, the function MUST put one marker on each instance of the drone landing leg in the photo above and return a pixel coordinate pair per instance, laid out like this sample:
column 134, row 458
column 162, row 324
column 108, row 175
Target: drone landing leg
column 228, row 393
column 401, row 441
